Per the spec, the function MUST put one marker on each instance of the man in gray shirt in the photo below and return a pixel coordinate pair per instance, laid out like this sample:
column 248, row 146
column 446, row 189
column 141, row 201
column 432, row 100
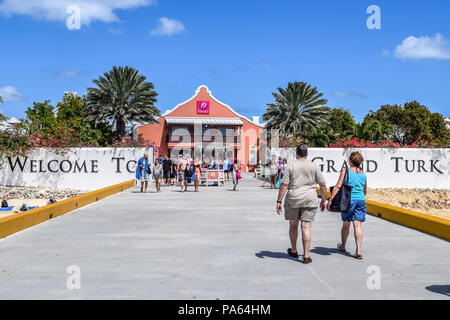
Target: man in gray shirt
column 300, row 181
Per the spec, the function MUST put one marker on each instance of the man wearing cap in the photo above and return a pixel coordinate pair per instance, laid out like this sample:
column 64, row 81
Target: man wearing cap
column 299, row 185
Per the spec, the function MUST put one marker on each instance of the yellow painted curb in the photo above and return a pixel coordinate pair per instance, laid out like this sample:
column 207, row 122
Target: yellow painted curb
column 435, row 226
column 20, row 221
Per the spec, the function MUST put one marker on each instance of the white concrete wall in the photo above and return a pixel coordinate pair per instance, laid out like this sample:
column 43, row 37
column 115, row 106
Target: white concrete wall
column 81, row 168
column 94, row 168
column 385, row 168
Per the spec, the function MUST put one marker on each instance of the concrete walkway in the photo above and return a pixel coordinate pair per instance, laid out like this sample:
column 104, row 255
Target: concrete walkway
column 216, row 244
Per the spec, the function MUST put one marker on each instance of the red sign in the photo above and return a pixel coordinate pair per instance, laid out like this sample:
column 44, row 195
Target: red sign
column 203, row 107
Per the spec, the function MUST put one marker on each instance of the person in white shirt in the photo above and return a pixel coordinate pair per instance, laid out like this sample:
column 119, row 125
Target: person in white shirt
column 226, row 168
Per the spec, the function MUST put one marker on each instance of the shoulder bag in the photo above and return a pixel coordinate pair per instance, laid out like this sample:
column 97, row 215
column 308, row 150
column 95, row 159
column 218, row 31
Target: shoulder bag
column 341, row 201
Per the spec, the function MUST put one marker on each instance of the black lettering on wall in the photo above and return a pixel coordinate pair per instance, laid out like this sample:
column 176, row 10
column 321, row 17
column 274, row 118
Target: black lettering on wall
column 41, row 169
column 128, row 166
column 396, row 163
column 118, row 164
column 94, row 166
column 33, row 164
column 421, row 166
column 321, row 166
column 79, row 168
column 407, row 166
column 61, row 166
column 368, row 169
column 49, row 166
column 433, row 166
column 17, row 162
column 330, row 165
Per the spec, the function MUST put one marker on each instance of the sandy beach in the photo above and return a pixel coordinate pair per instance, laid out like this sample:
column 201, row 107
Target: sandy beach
column 434, row 202
column 32, row 197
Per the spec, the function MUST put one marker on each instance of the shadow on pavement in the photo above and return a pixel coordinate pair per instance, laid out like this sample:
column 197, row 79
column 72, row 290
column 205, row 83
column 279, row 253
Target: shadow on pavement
column 328, row 251
column 274, row 255
column 442, row 289
column 148, row 192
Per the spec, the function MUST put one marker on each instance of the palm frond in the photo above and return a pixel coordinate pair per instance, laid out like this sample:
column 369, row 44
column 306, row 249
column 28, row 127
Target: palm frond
column 295, row 109
column 122, row 95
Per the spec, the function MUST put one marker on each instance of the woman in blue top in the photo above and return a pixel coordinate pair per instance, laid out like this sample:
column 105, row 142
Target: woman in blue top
column 357, row 210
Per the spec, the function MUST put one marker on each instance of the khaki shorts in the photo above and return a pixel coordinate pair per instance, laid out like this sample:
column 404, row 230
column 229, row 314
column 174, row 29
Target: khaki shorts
column 300, row 214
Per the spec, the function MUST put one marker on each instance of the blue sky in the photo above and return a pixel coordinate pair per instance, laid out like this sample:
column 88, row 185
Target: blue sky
column 242, row 50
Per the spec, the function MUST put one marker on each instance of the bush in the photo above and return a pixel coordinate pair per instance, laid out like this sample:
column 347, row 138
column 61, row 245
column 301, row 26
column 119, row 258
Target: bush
column 360, row 143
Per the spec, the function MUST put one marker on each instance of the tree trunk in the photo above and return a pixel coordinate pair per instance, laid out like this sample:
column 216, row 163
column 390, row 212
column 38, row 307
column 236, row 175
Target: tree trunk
column 120, row 128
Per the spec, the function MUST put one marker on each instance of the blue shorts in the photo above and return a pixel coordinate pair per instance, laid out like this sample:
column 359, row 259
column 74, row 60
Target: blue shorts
column 356, row 212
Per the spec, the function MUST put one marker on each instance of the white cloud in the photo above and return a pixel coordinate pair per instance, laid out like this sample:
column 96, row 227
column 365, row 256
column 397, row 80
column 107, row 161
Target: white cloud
column 349, row 94
column 55, row 10
column 10, row 94
column 425, row 47
column 69, row 73
column 168, row 27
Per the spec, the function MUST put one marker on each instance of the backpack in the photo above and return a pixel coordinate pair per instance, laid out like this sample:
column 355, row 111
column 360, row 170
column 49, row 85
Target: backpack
column 4, row 204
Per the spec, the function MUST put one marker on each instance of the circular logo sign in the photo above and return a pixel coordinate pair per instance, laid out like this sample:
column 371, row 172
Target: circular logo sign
column 203, row 107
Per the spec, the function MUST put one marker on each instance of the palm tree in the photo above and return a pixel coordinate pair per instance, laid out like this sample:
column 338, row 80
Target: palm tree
column 295, row 109
column 122, row 95
column 2, row 117
column 371, row 130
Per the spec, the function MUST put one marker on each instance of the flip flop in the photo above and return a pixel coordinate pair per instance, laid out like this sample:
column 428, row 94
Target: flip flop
column 306, row 260
column 358, row 256
column 293, row 255
column 339, row 246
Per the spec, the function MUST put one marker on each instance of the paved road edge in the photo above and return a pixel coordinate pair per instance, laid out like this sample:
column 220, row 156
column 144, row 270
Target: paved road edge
column 18, row 222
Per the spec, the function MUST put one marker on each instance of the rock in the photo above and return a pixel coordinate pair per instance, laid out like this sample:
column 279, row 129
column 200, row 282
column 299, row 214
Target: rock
column 37, row 193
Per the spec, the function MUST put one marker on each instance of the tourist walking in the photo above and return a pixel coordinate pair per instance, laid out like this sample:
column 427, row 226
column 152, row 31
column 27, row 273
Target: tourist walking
column 236, row 174
column 197, row 173
column 283, row 167
column 158, row 175
column 182, row 165
column 226, row 169
column 299, row 186
column 143, row 171
column 189, row 173
column 173, row 172
column 356, row 213
column 265, row 174
column 273, row 174
column 167, row 170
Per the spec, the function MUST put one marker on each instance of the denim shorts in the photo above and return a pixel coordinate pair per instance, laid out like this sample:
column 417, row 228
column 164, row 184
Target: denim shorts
column 356, row 212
